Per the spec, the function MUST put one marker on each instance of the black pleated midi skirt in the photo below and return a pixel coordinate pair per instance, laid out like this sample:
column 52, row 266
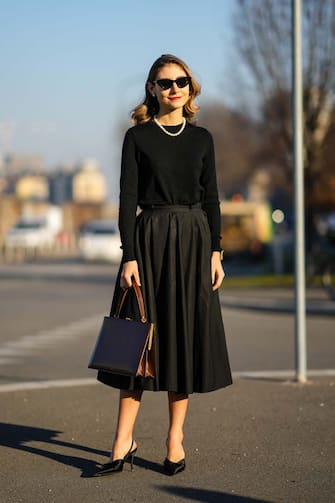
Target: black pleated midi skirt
column 173, row 251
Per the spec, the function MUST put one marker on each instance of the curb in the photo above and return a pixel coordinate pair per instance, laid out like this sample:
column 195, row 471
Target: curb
column 318, row 307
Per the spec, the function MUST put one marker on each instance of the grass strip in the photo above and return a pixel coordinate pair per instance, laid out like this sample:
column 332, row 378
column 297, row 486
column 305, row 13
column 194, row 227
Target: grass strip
column 286, row 280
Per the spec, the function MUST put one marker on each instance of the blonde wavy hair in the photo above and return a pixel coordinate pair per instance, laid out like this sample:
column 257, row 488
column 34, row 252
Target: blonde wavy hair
column 146, row 110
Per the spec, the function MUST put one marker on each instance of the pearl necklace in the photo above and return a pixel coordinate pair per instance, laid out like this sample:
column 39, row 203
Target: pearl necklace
column 168, row 132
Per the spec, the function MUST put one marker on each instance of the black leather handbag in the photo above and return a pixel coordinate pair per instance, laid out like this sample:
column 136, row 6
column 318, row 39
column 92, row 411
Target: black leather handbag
column 126, row 346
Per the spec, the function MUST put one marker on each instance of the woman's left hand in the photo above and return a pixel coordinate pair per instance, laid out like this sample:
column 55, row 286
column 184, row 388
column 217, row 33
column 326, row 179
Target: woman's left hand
column 217, row 270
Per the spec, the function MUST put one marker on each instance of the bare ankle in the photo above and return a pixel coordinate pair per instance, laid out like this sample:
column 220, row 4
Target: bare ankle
column 175, row 437
column 123, row 439
column 121, row 446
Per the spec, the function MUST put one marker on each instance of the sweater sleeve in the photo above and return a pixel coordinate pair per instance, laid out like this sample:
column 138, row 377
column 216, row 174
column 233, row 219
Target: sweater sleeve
column 128, row 196
column 211, row 203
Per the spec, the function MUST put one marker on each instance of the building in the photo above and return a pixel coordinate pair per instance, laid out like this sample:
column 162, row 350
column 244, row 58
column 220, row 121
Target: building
column 81, row 184
column 60, row 185
column 14, row 167
column 18, row 164
column 88, row 184
column 32, row 188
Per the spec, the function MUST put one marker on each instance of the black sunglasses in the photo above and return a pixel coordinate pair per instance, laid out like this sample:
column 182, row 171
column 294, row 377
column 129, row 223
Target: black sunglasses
column 168, row 83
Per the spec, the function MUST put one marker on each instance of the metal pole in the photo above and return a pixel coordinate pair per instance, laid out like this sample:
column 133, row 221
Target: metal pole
column 298, row 163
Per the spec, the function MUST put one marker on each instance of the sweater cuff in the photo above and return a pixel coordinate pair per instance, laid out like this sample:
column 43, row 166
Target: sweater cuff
column 216, row 246
column 128, row 253
column 127, row 257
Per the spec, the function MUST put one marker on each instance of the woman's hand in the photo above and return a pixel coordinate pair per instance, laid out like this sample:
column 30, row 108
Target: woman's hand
column 129, row 269
column 217, row 270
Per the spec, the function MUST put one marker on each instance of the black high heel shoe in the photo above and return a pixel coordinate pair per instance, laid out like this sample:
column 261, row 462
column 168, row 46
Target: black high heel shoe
column 117, row 464
column 173, row 468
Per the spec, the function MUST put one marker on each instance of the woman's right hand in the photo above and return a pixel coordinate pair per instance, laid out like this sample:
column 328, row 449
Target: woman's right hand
column 129, row 270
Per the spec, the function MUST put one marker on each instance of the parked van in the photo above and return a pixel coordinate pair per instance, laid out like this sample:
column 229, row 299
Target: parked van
column 99, row 240
column 36, row 232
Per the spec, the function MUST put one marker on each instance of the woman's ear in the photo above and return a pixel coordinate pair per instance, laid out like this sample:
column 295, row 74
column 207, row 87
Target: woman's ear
column 151, row 87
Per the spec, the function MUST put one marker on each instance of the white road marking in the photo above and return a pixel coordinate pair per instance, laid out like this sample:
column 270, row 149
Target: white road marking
column 9, row 361
column 59, row 383
column 268, row 374
column 12, row 352
column 65, row 383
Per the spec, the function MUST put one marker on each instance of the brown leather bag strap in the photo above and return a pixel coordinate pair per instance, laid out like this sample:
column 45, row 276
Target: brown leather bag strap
column 120, row 302
column 139, row 298
column 140, row 301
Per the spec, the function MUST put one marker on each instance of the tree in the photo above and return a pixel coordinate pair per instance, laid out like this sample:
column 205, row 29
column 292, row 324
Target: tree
column 263, row 40
column 236, row 142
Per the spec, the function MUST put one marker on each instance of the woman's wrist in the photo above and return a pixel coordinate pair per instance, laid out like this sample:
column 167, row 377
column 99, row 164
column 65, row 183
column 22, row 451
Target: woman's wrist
column 218, row 253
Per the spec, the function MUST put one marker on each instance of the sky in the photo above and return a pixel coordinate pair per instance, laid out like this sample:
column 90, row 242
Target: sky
column 72, row 70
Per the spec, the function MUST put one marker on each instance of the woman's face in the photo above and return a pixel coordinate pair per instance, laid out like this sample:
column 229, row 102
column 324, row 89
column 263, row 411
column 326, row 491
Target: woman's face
column 175, row 97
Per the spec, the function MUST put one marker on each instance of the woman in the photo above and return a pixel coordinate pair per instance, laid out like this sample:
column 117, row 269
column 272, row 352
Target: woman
column 172, row 249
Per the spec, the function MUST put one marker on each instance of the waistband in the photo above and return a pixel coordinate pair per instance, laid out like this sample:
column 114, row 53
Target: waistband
column 170, row 206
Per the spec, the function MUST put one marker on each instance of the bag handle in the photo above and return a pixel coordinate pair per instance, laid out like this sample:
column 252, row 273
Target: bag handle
column 139, row 298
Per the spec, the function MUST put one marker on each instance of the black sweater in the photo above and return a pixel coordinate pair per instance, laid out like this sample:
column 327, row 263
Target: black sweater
column 160, row 169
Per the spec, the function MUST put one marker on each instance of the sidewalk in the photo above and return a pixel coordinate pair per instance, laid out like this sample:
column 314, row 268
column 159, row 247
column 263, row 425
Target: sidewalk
column 277, row 300
column 256, row 441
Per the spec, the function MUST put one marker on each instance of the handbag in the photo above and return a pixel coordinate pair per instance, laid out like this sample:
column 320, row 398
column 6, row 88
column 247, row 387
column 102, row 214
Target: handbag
column 126, row 346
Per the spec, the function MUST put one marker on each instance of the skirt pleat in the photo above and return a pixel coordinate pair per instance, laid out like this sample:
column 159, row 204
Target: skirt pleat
column 173, row 251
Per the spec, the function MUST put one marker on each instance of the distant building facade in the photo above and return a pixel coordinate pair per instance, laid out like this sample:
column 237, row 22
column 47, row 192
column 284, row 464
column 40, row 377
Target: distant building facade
column 26, row 187
column 26, row 178
column 32, row 188
column 15, row 167
column 88, row 184
column 13, row 164
column 84, row 183
column 60, row 185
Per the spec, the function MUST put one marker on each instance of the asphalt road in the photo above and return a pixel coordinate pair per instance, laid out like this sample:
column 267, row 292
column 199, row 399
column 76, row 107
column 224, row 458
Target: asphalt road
column 262, row 440
column 258, row 441
column 48, row 329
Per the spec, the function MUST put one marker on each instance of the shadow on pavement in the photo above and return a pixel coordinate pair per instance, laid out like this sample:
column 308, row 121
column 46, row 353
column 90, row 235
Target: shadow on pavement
column 18, row 436
column 208, row 496
column 149, row 465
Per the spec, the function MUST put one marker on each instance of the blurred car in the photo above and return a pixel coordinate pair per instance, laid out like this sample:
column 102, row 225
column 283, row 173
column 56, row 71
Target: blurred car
column 34, row 232
column 99, row 240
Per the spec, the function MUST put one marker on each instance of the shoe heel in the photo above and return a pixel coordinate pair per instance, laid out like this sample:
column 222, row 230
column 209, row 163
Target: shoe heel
column 117, row 464
column 174, row 468
column 132, row 460
column 129, row 457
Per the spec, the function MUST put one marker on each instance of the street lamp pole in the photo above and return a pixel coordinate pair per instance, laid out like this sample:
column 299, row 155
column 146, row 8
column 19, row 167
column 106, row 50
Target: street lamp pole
column 298, row 162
